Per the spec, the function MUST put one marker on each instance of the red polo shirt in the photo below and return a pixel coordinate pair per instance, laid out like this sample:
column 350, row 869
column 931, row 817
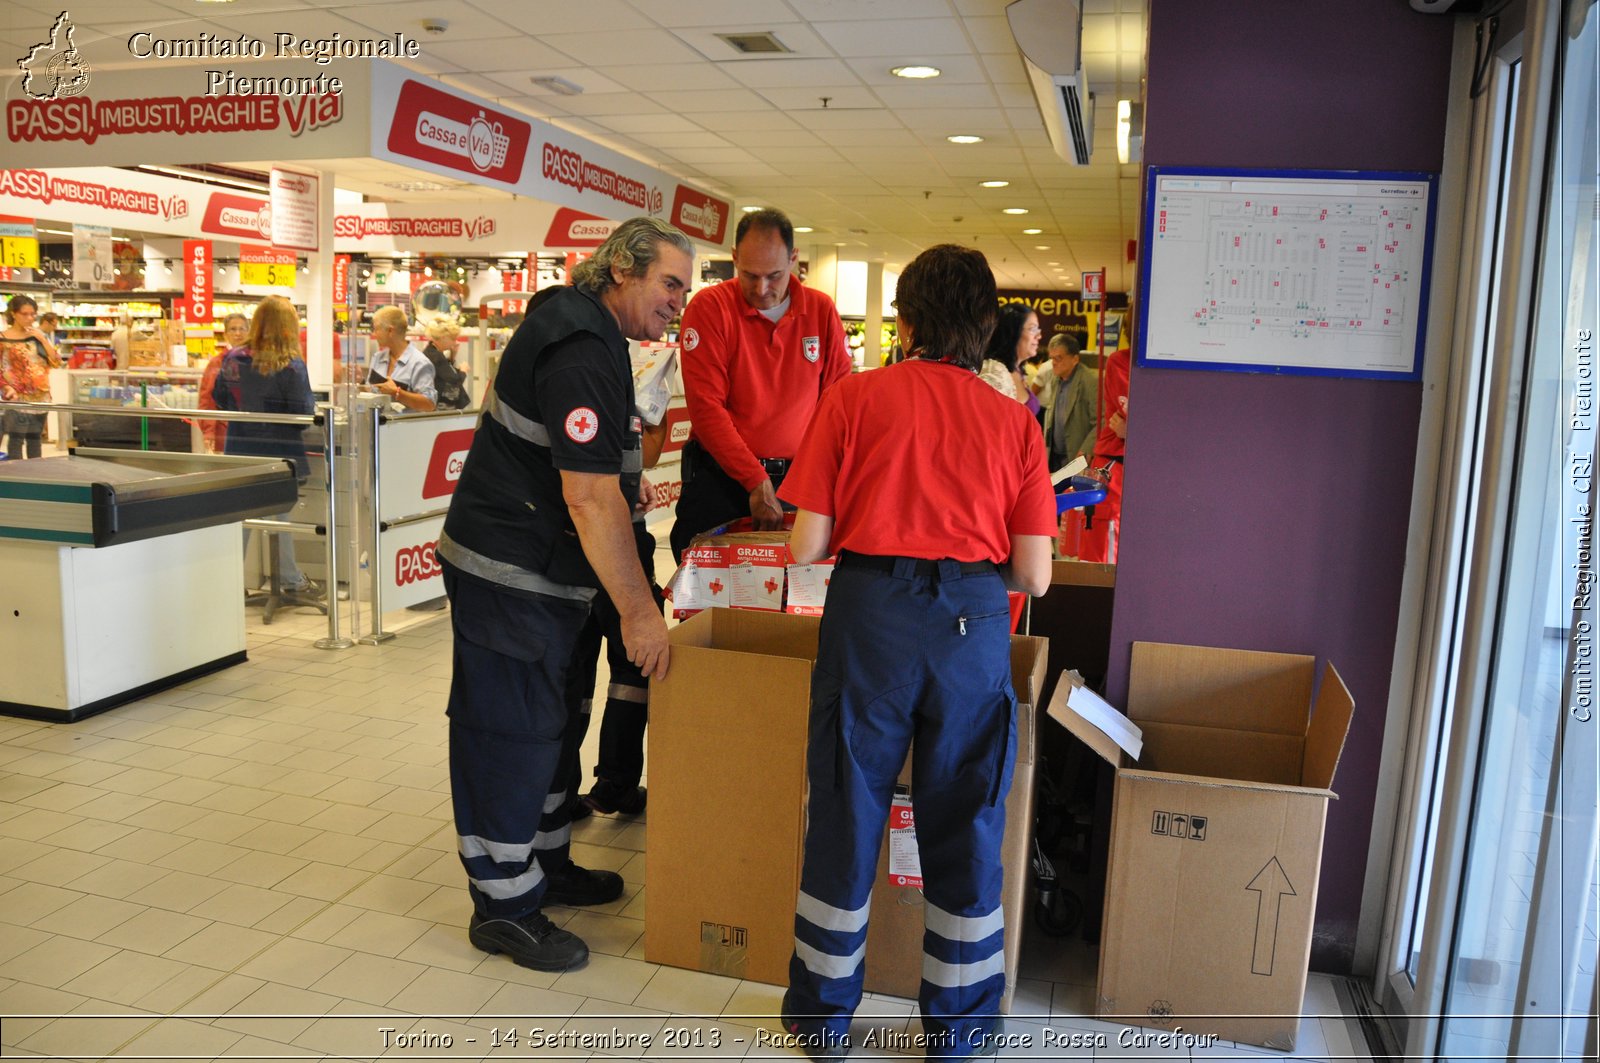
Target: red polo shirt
column 751, row 385
column 924, row 459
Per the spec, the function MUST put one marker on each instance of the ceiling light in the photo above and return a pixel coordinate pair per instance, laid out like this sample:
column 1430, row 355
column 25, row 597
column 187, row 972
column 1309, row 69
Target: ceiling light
column 561, row 86
column 1052, row 263
column 964, row 138
column 749, row 210
column 993, row 184
column 1032, row 232
column 916, row 71
column 1130, row 131
column 803, row 229
column 1041, row 247
column 1015, row 210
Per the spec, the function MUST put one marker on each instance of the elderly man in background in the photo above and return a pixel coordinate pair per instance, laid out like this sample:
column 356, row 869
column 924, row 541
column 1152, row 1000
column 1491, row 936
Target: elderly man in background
column 1070, row 403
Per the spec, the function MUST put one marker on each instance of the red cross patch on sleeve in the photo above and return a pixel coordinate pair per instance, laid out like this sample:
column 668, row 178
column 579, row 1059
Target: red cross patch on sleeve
column 582, row 425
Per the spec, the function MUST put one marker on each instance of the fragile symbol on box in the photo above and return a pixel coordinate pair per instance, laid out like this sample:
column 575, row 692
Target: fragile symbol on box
column 732, row 937
column 905, row 866
column 1179, row 825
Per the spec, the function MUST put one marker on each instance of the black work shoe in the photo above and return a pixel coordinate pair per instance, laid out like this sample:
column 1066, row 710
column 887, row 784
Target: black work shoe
column 575, row 886
column 610, row 798
column 579, row 809
column 531, row 941
column 811, row 1035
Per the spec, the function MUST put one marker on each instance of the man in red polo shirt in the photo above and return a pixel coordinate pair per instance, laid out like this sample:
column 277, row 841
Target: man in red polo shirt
column 756, row 354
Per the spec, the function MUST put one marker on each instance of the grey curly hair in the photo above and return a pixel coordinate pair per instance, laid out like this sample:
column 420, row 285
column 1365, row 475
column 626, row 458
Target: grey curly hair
column 632, row 247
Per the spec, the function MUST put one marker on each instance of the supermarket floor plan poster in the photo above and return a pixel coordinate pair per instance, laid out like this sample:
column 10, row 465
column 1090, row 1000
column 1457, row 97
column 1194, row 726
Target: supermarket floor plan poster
column 1286, row 271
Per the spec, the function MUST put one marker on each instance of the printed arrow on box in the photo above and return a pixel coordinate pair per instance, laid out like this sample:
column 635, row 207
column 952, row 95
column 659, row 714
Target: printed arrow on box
column 1270, row 885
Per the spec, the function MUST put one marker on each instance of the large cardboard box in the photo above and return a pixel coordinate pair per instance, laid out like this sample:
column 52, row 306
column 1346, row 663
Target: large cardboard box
column 894, row 935
column 727, row 793
column 1216, row 835
column 727, row 805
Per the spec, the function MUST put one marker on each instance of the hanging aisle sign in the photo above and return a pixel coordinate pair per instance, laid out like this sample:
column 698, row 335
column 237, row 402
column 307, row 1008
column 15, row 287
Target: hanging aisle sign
column 91, row 254
column 294, row 198
column 266, row 266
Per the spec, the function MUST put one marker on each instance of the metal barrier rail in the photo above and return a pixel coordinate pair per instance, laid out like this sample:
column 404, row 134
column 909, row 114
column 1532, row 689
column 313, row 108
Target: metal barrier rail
column 162, row 412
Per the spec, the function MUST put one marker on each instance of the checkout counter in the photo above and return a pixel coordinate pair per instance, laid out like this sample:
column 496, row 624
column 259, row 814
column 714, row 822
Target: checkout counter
column 120, row 573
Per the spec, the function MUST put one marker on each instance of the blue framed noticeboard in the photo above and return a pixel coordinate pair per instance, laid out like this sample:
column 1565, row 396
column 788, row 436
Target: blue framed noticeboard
column 1311, row 272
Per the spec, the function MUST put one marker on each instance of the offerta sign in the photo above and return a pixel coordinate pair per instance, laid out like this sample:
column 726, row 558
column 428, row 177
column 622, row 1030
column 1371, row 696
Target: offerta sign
column 195, row 306
column 449, row 131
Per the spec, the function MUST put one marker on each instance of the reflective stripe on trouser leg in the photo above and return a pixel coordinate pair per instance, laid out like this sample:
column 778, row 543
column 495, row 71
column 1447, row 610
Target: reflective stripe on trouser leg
column 506, row 721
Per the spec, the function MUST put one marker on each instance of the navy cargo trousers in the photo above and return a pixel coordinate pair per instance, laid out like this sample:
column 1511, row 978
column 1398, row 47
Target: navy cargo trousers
column 909, row 650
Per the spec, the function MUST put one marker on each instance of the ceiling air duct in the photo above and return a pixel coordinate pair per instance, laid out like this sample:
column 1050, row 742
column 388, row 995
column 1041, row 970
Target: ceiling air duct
column 1049, row 35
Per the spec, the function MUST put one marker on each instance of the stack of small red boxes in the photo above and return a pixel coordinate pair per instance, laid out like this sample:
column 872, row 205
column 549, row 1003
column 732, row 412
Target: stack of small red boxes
column 735, row 567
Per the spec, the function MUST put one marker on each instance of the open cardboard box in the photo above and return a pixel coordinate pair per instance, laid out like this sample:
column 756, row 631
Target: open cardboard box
column 727, row 806
column 1216, row 835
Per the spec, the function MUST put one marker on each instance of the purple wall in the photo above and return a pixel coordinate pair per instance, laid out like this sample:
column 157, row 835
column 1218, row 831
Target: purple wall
column 1270, row 512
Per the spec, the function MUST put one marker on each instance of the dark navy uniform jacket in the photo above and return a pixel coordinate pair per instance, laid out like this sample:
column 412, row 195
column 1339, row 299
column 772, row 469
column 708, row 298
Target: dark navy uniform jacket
column 562, row 399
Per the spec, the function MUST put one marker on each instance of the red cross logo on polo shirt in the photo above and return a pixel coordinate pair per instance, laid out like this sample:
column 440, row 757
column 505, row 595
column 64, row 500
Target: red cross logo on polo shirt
column 582, row 425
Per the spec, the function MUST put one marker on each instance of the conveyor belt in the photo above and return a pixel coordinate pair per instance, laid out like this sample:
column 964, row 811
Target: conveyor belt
column 123, row 496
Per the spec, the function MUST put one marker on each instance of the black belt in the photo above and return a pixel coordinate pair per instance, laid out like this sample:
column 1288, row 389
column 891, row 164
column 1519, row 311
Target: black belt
column 920, row 566
column 775, row 466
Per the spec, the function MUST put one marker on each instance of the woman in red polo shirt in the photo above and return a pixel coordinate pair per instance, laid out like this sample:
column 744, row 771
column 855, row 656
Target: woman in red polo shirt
column 933, row 489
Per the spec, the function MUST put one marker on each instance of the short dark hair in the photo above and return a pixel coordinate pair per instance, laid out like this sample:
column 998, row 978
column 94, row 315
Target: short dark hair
column 947, row 296
column 1007, row 330
column 767, row 218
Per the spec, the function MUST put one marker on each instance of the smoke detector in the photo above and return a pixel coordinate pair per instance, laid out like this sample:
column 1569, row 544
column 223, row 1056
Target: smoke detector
column 435, row 26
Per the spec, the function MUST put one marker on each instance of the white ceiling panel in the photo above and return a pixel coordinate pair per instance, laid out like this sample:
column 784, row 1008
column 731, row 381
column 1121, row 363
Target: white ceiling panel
column 781, row 73
column 660, row 86
column 904, row 40
column 649, row 46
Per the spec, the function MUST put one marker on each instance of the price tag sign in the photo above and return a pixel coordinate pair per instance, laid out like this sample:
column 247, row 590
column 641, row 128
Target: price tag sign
column 19, row 251
column 266, row 266
column 19, row 246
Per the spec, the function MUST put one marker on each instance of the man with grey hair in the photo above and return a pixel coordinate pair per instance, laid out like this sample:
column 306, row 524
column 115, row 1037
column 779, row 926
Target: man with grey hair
column 1070, row 416
column 540, row 520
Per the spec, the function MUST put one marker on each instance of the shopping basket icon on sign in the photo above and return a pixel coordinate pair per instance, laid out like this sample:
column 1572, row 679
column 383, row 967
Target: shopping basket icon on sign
column 501, row 143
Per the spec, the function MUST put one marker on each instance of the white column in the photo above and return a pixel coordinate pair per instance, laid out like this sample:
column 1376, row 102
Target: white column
column 872, row 337
column 824, row 272
column 319, row 289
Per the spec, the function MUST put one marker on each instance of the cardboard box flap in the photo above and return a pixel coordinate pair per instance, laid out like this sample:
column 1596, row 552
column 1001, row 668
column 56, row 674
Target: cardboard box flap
column 1222, row 752
column 1248, row 690
column 1030, row 656
column 748, row 631
column 1065, row 710
column 1138, row 774
column 1329, row 726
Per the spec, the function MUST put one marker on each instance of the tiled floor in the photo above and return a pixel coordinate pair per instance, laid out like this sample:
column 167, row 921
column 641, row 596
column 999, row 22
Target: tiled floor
column 260, row 865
